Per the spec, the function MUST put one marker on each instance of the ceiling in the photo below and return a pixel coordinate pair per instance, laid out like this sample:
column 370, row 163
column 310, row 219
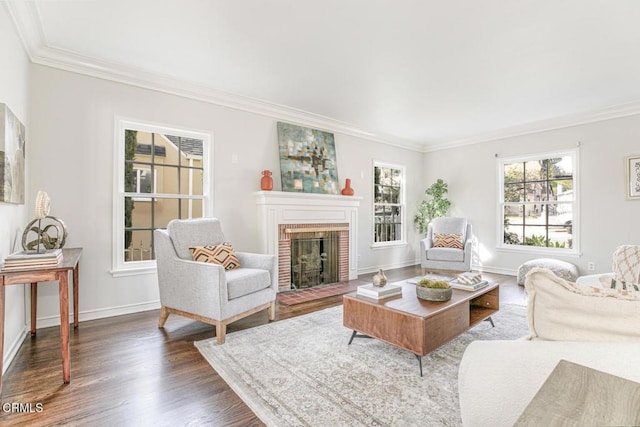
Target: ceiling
column 420, row 73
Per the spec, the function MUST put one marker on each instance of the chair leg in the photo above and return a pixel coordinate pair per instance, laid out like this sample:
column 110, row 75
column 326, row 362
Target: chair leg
column 272, row 311
column 221, row 332
column 164, row 314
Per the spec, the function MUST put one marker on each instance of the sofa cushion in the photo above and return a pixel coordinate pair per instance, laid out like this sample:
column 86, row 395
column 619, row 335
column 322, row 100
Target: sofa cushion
column 245, row 281
column 559, row 310
column 222, row 254
column 618, row 284
column 445, row 254
column 453, row 240
column 626, row 263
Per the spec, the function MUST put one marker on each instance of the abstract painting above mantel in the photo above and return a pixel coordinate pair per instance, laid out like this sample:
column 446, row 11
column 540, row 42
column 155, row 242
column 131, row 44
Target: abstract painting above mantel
column 307, row 160
column 12, row 152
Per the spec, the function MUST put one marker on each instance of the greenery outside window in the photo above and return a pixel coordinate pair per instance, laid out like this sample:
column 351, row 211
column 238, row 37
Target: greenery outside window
column 538, row 209
column 161, row 174
column 388, row 205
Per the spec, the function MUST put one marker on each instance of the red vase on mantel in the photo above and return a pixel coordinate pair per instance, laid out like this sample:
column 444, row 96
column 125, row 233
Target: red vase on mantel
column 347, row 190
column 266, row 183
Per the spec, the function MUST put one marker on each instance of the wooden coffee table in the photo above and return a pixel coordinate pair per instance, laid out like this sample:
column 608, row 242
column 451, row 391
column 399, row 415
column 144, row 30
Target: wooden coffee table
column 416, row 325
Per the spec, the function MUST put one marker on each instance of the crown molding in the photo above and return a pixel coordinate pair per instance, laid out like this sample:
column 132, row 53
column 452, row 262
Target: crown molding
column 26, row 18
column 608, row 113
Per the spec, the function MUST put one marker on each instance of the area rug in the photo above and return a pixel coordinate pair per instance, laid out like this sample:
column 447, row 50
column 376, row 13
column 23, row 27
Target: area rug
column 301, row 372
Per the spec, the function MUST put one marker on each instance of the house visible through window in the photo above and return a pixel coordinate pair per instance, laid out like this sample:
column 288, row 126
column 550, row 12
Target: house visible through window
column 538, row 202
column 388, row 208
column 164, row 176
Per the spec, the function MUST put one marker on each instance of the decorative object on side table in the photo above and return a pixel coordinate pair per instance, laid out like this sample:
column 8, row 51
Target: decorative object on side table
column 266, row 183
column 433, row 290
column 347, row 190
column 379, row 279
column 52, row 235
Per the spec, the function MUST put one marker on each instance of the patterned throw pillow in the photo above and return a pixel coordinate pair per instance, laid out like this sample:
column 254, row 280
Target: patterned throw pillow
column 222, row 254
column 621, row 285
column 447, row 241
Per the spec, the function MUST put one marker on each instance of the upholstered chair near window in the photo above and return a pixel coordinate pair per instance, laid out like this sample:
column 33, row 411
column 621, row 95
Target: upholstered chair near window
column 448, row 245
column 200, row 276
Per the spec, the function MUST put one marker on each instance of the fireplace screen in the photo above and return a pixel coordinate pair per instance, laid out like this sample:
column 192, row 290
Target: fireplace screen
column 314, row 261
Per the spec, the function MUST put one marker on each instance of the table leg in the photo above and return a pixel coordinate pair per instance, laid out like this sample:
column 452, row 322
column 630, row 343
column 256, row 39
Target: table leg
column 1, row 328
column 420, row 362
column 63, row 286
column 76, row 285
column 34, row 306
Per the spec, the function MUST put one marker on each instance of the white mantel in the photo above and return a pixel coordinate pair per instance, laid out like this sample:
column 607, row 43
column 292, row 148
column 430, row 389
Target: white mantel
column 278, row 207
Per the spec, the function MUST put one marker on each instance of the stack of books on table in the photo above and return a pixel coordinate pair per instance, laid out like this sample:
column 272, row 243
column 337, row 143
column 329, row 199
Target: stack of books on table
column 381, row 292
column 469, row 281
column 26, row 260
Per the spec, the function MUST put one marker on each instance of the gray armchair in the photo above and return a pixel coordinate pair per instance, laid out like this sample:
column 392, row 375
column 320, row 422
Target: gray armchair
column 207, row 292
column 443, row 258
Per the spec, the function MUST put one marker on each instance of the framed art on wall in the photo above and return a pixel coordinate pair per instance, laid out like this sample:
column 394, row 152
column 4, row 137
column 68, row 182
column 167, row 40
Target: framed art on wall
column 632, row 182
column 12, row 154
column 307, row 160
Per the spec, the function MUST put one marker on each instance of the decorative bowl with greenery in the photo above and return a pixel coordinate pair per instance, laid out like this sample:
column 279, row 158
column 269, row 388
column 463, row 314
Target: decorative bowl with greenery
column 433, row 290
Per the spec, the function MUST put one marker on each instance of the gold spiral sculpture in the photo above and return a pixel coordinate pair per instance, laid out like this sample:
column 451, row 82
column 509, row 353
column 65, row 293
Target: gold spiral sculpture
column 54, row 233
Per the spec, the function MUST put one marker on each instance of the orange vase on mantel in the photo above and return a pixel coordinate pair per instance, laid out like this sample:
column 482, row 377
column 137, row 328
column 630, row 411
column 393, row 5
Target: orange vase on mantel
column 266, row 183
column 347, row 190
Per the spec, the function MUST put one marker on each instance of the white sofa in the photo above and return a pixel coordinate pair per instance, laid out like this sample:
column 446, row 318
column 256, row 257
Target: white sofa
column 591, row 326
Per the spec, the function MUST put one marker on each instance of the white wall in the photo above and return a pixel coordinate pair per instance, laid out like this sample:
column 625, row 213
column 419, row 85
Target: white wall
column 72, row 159
column 607, row 218
column 13, row 218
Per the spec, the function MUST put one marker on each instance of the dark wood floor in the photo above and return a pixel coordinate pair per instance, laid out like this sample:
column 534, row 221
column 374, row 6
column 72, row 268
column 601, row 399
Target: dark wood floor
column 126, row 371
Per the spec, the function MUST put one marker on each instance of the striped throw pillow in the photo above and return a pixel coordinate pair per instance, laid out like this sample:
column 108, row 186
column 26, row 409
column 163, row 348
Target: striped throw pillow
column 222, row 254
column 447, row 241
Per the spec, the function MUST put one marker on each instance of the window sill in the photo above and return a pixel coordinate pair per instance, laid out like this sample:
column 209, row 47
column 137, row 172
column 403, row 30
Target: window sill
column 134, row 271
column 572, row 253
column 377, row 246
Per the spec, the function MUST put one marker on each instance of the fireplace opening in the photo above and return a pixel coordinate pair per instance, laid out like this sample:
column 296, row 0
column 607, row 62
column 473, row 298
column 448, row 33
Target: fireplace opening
column 315, row 260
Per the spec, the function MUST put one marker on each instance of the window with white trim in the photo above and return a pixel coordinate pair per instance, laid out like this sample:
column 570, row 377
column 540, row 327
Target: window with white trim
column 388, row 204
column 539, row 203
column 162, row 174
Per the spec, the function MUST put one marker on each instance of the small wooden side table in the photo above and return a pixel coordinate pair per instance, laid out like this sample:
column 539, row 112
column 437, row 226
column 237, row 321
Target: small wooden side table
column 59, row 273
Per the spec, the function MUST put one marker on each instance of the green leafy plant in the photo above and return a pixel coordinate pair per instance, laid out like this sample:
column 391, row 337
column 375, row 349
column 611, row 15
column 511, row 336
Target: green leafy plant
column 433, row 284
column 435, row 207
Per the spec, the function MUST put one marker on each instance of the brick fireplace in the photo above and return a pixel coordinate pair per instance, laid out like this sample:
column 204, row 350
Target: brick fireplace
column 288, row 233
column 285, row 217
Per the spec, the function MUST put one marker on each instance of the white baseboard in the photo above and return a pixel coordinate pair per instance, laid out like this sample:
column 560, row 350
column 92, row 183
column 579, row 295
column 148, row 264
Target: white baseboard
column 10, row 353
column 497, row 270
column 46, row 322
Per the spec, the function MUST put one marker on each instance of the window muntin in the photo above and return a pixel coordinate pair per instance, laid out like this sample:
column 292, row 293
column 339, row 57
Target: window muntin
column 388, row 208
column 163, row 176
column 539, row 203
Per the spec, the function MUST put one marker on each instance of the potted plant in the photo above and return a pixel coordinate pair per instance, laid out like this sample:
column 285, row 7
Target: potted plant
column 433, row 290
column 437, row 206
